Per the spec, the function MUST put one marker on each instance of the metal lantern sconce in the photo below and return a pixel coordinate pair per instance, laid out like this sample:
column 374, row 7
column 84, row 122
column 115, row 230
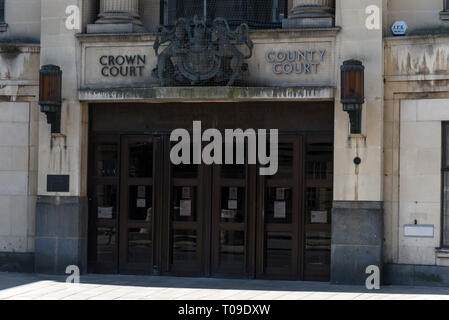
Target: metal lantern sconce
column 50, row 87
column 353, row 92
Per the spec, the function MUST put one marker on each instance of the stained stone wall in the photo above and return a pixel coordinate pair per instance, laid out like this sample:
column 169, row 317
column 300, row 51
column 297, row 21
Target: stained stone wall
column 14, row 189
column 416, row 99
column 23, row 19
column 64, row 153
column 19, row 65
column 422, row 17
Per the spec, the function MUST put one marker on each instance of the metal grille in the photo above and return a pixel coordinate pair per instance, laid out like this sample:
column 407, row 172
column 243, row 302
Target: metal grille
column 256, row 13
column 445, row 191
column 2, row 10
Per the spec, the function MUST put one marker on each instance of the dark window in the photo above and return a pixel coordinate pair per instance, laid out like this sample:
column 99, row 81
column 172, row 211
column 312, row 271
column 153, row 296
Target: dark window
column 445, row 197
column 255, row 13
column 2, row 11
column 446, row 5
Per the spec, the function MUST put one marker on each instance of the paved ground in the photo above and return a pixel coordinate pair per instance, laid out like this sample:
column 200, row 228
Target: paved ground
column 109, row 287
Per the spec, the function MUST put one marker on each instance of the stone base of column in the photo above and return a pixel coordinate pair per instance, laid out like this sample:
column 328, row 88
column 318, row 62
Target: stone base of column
column 416, row 275
column 17, row 262
column 115, row 28
column 309, row 17
column 357, row 236
column 61, row 234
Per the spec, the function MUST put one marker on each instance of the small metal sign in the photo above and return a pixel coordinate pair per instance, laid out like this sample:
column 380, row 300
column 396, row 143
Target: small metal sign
column 399, row 28
column 419, row 230
column 58, row 183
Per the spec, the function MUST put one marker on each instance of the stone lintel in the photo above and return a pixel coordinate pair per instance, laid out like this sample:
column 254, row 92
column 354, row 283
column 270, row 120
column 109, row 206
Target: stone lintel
column 202, row 94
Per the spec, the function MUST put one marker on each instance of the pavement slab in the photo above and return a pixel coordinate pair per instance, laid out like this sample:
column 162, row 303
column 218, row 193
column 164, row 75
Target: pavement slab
column 15, row 286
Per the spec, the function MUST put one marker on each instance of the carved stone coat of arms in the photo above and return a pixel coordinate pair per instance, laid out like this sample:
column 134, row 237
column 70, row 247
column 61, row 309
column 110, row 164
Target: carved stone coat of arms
column 202, row 55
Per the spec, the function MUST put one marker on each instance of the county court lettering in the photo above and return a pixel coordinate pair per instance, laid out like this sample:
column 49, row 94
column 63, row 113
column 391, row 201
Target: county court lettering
column 295, row 61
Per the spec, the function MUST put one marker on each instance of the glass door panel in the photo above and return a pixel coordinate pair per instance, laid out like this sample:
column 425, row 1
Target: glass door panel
column 103, row 204
column 186, row 219
column 232, row 223
column 279, row 216
column 137, row 198
column 318, row 206
column 229, row 214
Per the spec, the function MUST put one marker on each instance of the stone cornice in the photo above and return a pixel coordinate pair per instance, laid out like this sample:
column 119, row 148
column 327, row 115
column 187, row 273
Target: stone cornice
column 255, row 34
column 19, row 47
column 425, row 38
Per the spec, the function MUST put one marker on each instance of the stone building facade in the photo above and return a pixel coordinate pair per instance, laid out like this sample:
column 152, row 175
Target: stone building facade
column 331, row 216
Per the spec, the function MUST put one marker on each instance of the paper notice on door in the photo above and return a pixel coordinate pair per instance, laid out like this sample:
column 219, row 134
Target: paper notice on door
column 186, row 193
column 279, row 210
column 185, row 208
column 233, row 191
column 280, row 194
column 319, row 217
column 105, row 212
column 141, row 203
column 232, row 204
column 141, row 192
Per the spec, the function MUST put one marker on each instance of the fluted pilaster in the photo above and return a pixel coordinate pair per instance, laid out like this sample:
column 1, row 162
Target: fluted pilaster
column 311, row 14
column 119, row 11
column 117, row 16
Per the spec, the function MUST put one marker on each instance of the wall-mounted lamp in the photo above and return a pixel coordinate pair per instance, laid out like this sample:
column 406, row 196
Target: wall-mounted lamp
column 353, row 92
column 50, row 87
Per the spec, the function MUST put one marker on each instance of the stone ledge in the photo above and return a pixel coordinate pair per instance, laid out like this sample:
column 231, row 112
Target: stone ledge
column 368, row 205
column 444, row 15
column 59, row 200
column 442, row 253
column 416, row 39
column 263, row 34
column 417, row 77
column 114, row 28
column 6, row 47
column 201, row 94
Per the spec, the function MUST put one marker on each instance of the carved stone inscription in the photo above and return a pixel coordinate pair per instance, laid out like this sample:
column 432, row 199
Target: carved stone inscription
column 123, row 65
column 295, row 61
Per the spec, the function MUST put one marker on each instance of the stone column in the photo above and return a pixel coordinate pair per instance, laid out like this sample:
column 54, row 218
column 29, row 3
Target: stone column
column 117, row 16
column 311, row 14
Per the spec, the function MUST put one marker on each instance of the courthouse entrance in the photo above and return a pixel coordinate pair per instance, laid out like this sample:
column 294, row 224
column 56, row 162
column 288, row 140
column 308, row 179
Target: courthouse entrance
column 148, row 216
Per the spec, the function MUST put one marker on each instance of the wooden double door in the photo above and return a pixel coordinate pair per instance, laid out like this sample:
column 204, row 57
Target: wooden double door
column 152, row 217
